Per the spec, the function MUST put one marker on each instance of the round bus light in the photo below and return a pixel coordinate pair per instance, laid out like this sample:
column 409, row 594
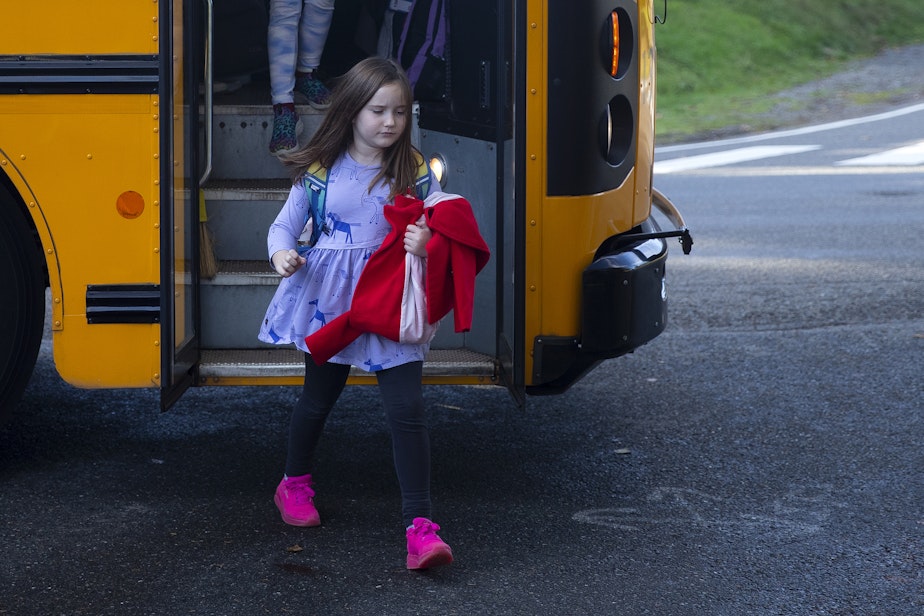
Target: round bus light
column 616, row 130
column 130, row 204
column 439, row 168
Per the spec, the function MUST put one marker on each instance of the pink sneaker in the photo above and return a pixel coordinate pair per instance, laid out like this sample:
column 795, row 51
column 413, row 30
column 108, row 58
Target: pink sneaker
column 293, row 498
column 424, row 547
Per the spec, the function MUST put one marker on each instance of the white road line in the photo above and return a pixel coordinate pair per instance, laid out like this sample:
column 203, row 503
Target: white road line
column 906, row 156
column 800, row 171
column 806, row 130
column 728, row 157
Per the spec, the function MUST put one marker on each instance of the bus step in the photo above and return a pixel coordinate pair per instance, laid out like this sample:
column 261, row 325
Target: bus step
column 234, row 302
column 287, row 366
column 244, row 131
column 240, row 272
column 239, row 214
column 248, row 189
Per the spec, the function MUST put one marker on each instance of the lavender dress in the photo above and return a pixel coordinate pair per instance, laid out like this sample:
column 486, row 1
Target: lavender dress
column 323, row 289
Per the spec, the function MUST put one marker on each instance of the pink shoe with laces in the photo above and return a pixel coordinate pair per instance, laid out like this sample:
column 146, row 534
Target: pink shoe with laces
column 425, row 549
column 294, row 500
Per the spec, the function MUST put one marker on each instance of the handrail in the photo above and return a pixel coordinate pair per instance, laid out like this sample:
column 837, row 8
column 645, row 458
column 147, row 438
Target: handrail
column 661, row 203
column 209, row 87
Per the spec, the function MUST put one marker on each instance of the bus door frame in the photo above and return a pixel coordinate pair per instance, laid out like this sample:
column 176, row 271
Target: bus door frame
column 181, row 64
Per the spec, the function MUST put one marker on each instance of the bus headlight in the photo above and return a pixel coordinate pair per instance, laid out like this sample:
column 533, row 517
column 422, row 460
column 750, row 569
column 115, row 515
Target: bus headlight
column 440, row 168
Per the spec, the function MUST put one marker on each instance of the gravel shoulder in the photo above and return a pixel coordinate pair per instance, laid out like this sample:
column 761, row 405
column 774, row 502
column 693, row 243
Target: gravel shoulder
column 893, row 78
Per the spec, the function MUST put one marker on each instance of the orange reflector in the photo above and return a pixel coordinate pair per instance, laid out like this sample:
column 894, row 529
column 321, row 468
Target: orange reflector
column 130, row 204
column 614, row 67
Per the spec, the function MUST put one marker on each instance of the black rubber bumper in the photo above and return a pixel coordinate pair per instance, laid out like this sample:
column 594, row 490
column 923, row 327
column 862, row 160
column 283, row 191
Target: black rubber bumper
column 625, row 300
column 624, row 305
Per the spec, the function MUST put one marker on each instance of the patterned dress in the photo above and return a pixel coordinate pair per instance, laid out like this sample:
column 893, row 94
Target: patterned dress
column 323, row 289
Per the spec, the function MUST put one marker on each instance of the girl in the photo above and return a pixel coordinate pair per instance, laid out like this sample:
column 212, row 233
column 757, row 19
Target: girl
column 364, row 144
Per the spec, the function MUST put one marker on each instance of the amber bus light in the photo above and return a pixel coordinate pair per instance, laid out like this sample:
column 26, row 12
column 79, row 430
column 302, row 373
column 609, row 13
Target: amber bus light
column 614, row 27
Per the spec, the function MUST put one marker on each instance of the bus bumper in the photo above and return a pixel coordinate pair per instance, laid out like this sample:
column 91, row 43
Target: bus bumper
column 624, row 305
column 624, row 299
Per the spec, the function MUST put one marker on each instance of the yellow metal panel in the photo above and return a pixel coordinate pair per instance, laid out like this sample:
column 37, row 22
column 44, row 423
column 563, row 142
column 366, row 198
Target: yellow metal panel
column 536, row 108
column 71, row 157
column 562, row 233
column 75, row 27
column 106, row 356
column 586, row 222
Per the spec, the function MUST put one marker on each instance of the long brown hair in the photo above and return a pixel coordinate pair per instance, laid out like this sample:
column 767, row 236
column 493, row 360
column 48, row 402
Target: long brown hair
column 334, row 136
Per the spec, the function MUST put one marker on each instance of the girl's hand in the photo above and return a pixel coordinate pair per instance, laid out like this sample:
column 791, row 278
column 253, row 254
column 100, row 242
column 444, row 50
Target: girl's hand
column 287, row 262
column 416, row 237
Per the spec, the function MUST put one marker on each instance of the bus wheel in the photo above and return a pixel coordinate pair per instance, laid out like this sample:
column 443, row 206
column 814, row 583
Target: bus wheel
column 22, row 303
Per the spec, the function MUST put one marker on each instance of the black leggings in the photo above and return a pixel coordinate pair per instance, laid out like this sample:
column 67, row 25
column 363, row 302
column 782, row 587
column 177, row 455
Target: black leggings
column 402, row 396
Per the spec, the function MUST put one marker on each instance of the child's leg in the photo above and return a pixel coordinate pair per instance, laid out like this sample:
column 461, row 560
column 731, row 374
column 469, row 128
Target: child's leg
column 282, row 41
column 404, row 409
column 312, row 33
column 323, row 385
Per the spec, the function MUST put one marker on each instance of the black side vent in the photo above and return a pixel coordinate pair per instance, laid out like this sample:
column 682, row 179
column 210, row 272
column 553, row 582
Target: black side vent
column 60, row 74
column 123, row 303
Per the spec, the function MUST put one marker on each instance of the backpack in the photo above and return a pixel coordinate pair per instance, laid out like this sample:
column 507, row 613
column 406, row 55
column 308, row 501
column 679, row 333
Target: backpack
column 315, row 180
column 423, row 49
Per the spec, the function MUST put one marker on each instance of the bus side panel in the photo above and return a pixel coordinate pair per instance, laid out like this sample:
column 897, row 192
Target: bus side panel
column 87, row 167
column 79, row 28
column 579, row 193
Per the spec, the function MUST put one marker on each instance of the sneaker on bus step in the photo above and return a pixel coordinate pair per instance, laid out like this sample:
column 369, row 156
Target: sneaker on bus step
column 295, row 500
column 425, row 549
column 287, row 126
column 312, row 90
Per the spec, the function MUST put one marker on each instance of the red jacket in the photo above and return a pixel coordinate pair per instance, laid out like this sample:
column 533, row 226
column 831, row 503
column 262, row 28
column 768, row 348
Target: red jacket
column 455, row 254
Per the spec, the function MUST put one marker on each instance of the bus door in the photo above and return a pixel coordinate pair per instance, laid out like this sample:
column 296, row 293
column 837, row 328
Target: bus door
column 184, row 59
column 467, row 125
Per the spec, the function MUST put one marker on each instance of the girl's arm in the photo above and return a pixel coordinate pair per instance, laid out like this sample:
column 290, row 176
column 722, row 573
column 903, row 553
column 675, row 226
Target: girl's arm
column 282, row 238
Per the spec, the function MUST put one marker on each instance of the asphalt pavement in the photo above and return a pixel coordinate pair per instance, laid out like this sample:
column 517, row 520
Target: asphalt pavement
column 762, row 456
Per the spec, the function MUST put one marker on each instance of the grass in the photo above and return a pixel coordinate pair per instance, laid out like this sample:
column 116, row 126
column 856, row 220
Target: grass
column 718, row 61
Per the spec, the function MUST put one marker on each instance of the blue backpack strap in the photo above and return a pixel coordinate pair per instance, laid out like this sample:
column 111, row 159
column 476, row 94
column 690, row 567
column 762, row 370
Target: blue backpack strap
column 423, row 182
column 315, row 180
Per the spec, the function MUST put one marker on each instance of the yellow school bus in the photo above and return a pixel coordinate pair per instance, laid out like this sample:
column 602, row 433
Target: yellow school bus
column 116, row 137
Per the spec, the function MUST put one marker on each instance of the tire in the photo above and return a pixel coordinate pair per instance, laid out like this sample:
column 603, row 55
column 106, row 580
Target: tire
column 22, row 303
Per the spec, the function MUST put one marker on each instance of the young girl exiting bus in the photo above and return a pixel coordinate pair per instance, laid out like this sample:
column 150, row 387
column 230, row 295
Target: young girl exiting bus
column 364, row 146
